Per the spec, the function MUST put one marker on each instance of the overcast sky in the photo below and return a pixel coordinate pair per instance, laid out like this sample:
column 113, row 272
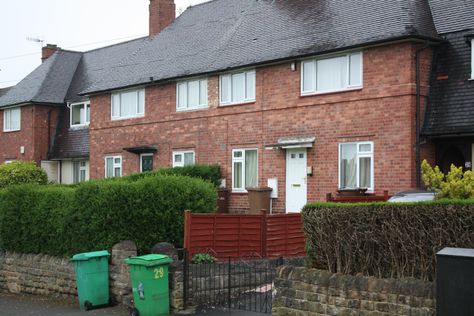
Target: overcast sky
column 72, row 24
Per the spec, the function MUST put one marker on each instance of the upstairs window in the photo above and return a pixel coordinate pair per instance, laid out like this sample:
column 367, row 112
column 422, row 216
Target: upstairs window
column 80, row 114
column 183, row 158
column 113, row 166
column 11, row 120
column 336, row 73
column 244, row 169
column 356, row 165
column 191, row 95
column 238, row 87
column 128, row 104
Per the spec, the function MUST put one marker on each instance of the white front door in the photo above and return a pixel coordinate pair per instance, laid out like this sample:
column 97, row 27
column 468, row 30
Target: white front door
column 296, row 188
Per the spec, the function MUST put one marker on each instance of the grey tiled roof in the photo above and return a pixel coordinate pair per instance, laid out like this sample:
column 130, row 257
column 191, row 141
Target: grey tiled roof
column 451, row 103
column 452, row 15
column 4, row 90
column 226, row 34
column 46, row 84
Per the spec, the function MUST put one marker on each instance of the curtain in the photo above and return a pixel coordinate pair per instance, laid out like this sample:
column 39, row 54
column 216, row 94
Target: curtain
column 348, row 166
column 364, row 172
column 188, row 159
column 238, row 175
column 109, row 167
column 251, row 166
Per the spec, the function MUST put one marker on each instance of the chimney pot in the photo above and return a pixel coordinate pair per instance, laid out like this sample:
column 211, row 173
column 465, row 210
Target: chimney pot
column 48, row 50
column 162, row 13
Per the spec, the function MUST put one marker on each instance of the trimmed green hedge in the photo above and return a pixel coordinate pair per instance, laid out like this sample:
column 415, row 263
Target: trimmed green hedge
column 386, row 239
column 61, row 220
column 21, row 172
column 209, row 173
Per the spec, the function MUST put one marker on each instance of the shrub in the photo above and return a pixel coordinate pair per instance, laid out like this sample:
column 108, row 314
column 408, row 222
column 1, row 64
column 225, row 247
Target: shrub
column 59, row 220
column 209, row 173
column 454, row 185
column 386, row 239
column 21, row 172
column 201, row 258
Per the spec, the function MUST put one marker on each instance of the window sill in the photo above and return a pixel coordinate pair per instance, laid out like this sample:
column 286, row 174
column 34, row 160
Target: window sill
column 223, row 105
column 12, row 131
column 309, row 94
column 239, row 193
column 76, row 127
column 192, row 109
column 127, row 118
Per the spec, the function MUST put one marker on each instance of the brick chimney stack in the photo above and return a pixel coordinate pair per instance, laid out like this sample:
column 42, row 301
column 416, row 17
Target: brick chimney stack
column 47, row 51
column 162, row 13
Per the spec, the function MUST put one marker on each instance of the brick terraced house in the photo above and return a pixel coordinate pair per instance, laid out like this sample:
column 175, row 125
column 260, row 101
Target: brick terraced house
column 308, row 96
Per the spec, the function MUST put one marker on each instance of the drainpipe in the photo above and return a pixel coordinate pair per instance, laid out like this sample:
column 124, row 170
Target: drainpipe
column 49, row 134
column 418, row 113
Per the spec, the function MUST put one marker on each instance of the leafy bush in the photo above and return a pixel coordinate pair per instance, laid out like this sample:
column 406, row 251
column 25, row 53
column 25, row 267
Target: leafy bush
column 454, row 185
column 209, row 173
column 386, row 239
column 21, row 172
column 201, row 258
column 60, row 220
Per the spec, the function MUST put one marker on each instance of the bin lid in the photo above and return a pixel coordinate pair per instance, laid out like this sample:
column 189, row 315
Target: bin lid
column 89, row 255
column 149, row 260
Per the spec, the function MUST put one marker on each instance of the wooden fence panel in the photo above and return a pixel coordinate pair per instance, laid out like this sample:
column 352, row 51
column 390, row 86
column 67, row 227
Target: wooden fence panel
column 225, row 235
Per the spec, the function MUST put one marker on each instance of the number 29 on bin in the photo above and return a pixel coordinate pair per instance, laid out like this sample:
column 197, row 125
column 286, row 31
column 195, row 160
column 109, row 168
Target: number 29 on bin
column 159, row 273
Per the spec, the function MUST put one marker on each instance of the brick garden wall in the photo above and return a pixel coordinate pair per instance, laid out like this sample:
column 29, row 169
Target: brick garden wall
column 383, row 111
column 52, row 276
column 308, row 292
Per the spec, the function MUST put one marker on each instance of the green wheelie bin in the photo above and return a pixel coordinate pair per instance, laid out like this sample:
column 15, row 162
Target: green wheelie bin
column 149, row 275
column 92, row 278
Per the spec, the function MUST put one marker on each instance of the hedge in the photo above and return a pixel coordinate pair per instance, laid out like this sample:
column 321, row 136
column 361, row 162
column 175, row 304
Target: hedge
column 386, row 239
column 209, row 173
column 21, row 172
column 61, row 220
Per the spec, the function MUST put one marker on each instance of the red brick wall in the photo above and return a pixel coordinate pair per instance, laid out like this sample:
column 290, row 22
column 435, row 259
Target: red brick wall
column 33, row 134
column 383, row 112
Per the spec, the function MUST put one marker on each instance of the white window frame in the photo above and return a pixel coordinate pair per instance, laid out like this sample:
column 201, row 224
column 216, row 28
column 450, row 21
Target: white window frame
column 141, row 161
column 181, row 153
column 81, row 168
column 472, row 59
column 114, row 165
column 349, row 87
column 84, row 116
column 359, row 155
column 242, row 160
column 9, row 110
column 246, row 99
column 192, row 107
column 137, row 113
column 9, row 161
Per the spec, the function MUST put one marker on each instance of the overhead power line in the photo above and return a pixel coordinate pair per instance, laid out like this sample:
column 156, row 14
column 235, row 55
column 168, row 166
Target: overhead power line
column 79, row 45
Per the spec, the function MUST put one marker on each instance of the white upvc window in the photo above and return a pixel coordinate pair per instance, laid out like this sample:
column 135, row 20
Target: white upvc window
column 191, row 94
column 12, row 119
column 472, row 58
column 79, row 169
column 128, row 104
column 330, row 74
column 244, row 169
column 356, row 165
column 183, row 158
column 237, row 87
column 80, row 114
column 113, row 166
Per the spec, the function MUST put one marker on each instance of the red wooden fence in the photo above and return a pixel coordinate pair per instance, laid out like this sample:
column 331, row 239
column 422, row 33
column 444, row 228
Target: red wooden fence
column 227, row 235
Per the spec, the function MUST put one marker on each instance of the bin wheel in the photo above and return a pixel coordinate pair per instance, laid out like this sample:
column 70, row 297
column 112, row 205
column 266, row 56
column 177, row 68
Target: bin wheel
column 87, row 305
column 134, row 312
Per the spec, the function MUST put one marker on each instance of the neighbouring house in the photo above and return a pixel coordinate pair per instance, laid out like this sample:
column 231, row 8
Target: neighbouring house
column 307, row 96
column 449, row 122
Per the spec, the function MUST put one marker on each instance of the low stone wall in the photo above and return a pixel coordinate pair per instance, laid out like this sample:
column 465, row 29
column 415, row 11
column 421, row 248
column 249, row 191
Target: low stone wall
column 52, row 276
column 302, row 291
